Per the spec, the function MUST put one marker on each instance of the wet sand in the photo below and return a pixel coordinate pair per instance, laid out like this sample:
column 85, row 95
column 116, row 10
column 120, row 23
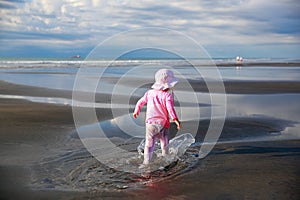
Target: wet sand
column 263, row 170
column 28, row 131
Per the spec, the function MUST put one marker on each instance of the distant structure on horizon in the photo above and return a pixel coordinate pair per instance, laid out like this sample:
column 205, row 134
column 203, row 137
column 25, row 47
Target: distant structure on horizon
column 77, row 56
column 239, row 59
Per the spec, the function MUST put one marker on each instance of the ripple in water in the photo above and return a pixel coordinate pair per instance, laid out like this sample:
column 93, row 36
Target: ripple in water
column 74, row 168
column 78, row 170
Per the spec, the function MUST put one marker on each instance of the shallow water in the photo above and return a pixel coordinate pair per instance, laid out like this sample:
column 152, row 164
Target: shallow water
column 78, row 170
column 75, row 169
column 251, row 117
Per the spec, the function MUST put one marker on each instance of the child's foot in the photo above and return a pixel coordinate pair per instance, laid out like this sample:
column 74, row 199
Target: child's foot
column 145, row 170
column 146, row 175
column 144, row 166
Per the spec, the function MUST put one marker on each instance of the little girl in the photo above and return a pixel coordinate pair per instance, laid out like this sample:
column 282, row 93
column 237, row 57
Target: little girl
column 160, row 105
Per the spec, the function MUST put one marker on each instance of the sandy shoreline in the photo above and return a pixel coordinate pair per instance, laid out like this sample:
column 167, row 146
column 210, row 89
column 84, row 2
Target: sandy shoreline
column 257, row 170
column 230, row 86
column 17, row 89
column 267, row 170
column 26, row 130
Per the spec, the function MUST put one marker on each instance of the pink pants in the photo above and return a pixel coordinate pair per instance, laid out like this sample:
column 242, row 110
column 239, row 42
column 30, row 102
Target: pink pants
column 154, row 131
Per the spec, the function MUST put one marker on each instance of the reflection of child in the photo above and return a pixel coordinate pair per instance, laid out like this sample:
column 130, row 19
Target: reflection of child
column 160, row 105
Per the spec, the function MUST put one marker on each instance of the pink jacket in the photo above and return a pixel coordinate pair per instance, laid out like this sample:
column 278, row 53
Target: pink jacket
column 159, row 105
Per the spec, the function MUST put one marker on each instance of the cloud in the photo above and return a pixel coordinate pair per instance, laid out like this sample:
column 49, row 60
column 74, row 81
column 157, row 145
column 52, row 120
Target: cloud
column 6, row 6
column 9, row 4
column 219, row 22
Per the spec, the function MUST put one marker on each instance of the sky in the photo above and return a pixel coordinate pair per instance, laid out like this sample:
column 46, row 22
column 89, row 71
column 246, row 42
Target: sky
column 225, row 28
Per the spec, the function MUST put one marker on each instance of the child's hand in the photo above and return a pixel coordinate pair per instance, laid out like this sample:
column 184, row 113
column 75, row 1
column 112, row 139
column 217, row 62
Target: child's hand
column 178, row 124
column 135, row 115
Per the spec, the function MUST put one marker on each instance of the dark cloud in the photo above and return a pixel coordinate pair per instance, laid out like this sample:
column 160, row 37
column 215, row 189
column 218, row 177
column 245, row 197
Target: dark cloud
column 164, row 11
column 10, row 4
column 278, row 17
column 14, row 1
column 167, row 10
column 37, row 36
column 4, row 5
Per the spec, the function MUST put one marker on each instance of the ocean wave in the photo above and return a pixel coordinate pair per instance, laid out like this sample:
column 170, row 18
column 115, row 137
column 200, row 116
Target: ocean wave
column 36, row 63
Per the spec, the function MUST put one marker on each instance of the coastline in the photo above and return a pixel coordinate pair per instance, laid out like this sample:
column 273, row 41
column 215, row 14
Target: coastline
column 262, row 170
column 31, row 132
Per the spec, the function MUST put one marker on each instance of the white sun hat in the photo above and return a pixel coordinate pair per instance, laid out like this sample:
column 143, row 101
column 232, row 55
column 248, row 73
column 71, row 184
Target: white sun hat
column 164, row 79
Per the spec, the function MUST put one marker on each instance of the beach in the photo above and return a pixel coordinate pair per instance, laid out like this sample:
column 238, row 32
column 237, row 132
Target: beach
column 256, row 156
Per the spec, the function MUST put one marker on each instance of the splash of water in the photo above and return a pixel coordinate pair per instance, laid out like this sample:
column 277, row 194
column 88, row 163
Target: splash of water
column 177, row 146
column 78, row 170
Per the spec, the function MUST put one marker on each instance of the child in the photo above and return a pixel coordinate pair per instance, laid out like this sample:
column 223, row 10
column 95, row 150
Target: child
column 160, row 105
